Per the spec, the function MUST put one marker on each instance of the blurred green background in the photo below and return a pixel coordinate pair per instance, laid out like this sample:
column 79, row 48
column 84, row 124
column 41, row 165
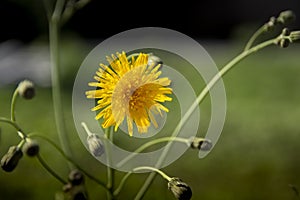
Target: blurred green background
column 256, row 157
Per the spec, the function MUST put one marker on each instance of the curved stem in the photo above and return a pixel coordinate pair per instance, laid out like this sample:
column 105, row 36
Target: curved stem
column 254, row 37
column 68, row 158
column 122, row 183
column 198, row 100
column 15, row 125
column 48, row 168
column 124, row 179
column 13, row 105
column 165, row 176
column 54, row 26
column 151, row 143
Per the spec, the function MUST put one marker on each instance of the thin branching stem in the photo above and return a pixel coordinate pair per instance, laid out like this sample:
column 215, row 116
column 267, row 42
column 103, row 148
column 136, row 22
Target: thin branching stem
column 54, row 28
column 68, row 158
column 13, row 105
column 152, row 143
column 196, row 103
column 15, row 125
column 254, row 37
column 142, row 168
column 49, row 169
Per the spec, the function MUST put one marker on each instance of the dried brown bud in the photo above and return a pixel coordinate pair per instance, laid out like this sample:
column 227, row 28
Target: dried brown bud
column 31, row 147
column 76, row 177
column 180, row 189
column 10, row 160
column 26, row 89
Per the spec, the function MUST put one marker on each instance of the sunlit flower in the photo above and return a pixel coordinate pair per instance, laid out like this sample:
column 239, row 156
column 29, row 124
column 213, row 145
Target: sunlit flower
column 130, row 88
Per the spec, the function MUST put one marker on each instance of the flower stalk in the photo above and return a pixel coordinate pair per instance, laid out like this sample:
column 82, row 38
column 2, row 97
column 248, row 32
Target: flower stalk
column 196, row 103
column 54, row 29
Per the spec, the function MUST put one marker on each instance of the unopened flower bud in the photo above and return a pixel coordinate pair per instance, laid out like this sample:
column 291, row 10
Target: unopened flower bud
column 26, row 89
column 286, row 17
column 285, row 32
column 76, row 177
column 95, row 145
column 10, row 160
column 270, row 24
column 284, row 43
column 180, row 189
column 74, row 192
column 31, row 147
column 79, row 196
column 154, row 60
column 200, row 143
column 67, row 187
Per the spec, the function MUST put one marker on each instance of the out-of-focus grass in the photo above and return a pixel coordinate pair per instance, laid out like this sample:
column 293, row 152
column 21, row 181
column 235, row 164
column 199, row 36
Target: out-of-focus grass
column 257, row 155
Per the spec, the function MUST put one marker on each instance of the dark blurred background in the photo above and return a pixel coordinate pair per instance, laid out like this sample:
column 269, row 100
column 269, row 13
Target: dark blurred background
column 25, row 19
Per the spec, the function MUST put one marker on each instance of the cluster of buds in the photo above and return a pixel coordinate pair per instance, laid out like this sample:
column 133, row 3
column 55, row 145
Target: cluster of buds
column 11, row 159
column 286, row 37
column 74, row 189
column 283, row 18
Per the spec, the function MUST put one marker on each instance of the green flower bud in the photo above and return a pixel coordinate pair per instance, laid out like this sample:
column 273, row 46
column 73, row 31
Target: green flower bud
column 76, row 177
column 286, row 17
column 26, row 89
column 31, row 147
column 95, row 145
column 200, row 143
column 10, row 160
column 180, row 189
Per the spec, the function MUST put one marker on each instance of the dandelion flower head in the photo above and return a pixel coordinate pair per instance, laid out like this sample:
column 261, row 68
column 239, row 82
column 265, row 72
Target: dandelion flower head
column 129, row 89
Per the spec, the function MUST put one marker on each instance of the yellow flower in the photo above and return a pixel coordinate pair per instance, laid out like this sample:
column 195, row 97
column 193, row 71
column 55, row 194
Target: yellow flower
column 131, row 89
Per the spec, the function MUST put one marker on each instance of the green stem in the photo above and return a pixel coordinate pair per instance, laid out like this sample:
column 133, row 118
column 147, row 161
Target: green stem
column 68, row 158
column 254, row 37
column 149, row 144
column 196, row 103
column 48, row 168
column 54, row 26
column 13, row 105
column 110, row 171
column 124, row 179
column 122, row 183
column 165, row 176
column 15, row 125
